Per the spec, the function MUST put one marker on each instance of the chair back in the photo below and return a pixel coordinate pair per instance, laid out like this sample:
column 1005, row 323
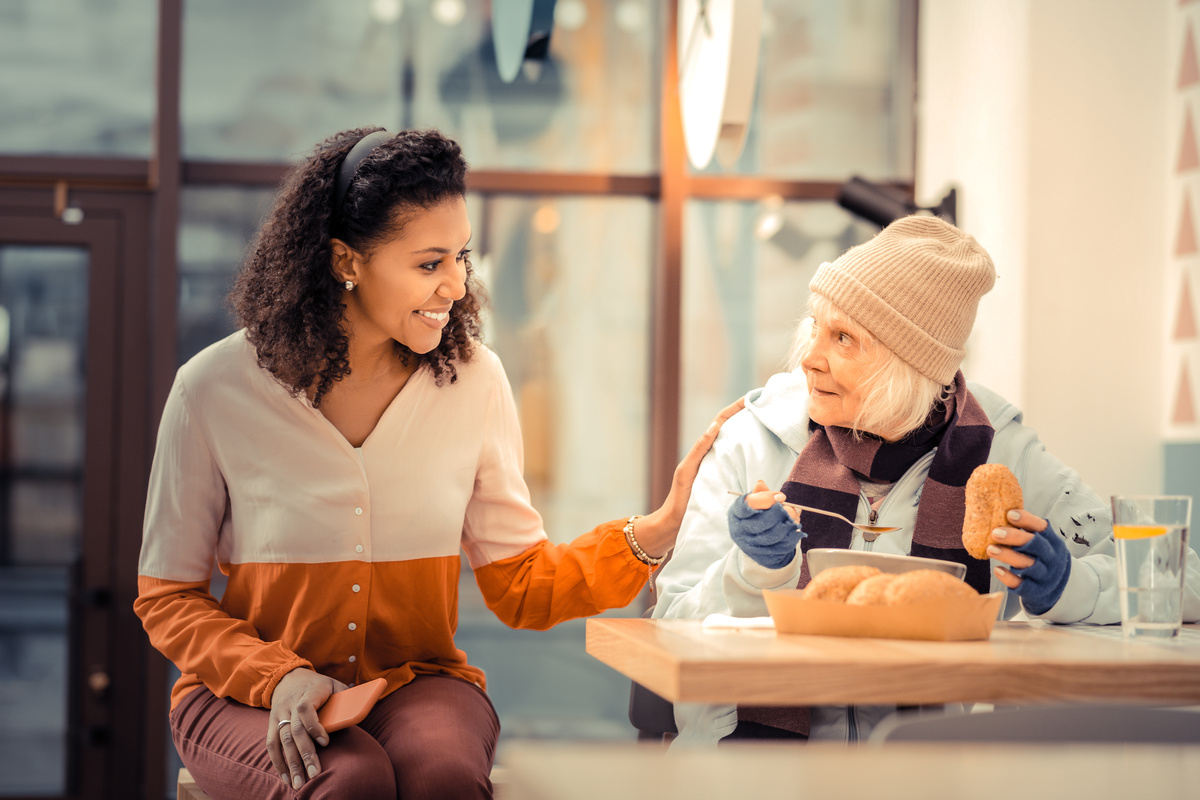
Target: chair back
column 652, row 715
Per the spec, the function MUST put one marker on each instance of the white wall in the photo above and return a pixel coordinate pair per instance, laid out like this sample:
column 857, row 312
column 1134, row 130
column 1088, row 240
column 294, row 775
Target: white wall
column 1052, row 117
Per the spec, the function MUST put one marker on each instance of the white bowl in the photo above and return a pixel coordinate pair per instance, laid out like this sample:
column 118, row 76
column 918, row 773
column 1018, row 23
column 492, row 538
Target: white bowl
column 820, row 558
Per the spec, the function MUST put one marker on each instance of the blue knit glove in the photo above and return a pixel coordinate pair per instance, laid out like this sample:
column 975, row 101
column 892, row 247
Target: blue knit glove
column 768, row 536
column 1043, row 581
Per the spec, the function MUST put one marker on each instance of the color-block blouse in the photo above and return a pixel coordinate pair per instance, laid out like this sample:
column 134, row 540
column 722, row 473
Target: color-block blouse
column 348, row 562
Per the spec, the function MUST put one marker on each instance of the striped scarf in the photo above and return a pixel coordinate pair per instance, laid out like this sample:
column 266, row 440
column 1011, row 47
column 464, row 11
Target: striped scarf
column 824, row 476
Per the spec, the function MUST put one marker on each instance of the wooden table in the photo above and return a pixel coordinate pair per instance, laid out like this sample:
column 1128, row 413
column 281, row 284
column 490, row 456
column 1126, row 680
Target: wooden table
column 1023, row 663
column 545, row 771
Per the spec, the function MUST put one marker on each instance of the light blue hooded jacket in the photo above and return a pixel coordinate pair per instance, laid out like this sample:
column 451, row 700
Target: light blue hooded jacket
column 707, row 574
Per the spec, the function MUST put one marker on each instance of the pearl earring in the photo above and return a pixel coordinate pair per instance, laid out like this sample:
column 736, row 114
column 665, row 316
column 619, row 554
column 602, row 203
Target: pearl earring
column 349, row 286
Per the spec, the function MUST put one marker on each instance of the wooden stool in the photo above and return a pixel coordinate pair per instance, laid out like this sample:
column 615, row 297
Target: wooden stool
column 187, row 789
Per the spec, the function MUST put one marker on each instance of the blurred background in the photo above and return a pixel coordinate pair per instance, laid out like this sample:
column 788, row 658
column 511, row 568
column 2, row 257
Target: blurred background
column 631, row 294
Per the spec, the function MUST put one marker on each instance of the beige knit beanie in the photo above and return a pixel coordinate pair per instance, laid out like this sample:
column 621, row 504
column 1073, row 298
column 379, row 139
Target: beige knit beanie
column 915, row 287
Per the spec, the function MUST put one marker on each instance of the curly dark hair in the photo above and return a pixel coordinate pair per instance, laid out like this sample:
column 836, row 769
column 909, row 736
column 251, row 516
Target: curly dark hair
column 286, row 295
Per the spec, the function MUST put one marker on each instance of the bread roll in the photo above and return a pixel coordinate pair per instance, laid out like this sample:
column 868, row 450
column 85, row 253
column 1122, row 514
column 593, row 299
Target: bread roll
column 926, row 584
column 870, row 591
column 992, row 491
column 835, row 583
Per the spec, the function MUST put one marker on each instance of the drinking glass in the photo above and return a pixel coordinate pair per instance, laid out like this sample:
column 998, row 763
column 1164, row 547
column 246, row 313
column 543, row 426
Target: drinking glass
column 1151, row 538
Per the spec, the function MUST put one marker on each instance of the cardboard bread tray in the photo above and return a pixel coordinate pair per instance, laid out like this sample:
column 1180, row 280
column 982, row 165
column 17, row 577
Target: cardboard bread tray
column 942, row 620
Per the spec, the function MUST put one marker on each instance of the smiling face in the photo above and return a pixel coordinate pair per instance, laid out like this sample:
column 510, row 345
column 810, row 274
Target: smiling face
column 405, row 286
column 838, row 363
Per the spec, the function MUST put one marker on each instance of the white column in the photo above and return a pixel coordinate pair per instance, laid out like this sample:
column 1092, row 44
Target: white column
column 1052, row 117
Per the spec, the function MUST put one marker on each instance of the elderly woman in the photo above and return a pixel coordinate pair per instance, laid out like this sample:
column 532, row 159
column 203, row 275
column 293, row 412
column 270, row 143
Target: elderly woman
column 876, row 422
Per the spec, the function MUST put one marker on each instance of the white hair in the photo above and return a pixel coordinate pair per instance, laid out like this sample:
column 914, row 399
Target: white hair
column 897, row 399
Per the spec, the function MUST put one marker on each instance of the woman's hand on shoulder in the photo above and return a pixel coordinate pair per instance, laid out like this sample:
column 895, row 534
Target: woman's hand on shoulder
column 685, row 472
column 293, row 730
column 656, row 532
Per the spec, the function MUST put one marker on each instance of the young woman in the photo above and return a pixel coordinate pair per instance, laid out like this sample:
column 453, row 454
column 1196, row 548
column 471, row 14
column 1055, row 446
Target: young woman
column 334, row 456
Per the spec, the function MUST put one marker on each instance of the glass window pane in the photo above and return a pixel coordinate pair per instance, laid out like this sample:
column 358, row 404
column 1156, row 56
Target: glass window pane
column 77, row 76
column 569, row 317
column 593, row 106
column 215, row 227
column 835, row 92
column 745, row 288
column 43, row 318
column 43, row 325
column 269, row 79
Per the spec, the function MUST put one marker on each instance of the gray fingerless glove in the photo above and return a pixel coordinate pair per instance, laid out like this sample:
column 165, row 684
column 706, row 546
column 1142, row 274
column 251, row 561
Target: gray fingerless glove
column 1043, row 581
column 769, row 536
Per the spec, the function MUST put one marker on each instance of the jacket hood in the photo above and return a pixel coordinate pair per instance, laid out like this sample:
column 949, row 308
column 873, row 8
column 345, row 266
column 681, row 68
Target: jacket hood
column 781, row 406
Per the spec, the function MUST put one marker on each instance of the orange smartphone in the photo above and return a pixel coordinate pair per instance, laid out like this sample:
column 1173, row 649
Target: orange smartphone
column 350, row 706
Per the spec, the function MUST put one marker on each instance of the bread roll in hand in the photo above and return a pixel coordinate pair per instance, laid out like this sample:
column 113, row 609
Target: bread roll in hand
column 992, row 491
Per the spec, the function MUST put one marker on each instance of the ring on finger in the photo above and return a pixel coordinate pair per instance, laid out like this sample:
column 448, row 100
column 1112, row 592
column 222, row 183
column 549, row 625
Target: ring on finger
column 283, row 722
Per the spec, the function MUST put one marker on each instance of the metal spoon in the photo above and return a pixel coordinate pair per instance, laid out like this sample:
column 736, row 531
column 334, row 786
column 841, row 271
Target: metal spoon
column 872, row 531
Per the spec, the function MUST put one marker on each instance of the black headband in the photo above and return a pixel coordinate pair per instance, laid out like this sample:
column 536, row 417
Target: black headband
column 350, row 163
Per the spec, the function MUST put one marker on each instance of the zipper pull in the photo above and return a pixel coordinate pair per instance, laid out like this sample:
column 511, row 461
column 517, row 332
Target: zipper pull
column 871, row 519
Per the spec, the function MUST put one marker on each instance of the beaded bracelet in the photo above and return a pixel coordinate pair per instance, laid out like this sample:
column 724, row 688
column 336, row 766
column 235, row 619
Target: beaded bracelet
column 636, row 548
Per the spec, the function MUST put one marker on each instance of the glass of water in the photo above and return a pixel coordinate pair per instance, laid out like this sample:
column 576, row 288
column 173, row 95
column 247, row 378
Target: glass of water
column 1151, row 537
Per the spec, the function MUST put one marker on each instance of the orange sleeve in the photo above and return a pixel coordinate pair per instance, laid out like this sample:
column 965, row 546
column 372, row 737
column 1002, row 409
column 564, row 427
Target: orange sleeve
column 550, row 583
column 187, row 625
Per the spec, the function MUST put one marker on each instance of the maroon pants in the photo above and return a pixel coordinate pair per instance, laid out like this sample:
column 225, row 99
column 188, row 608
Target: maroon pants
column 434, row 738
